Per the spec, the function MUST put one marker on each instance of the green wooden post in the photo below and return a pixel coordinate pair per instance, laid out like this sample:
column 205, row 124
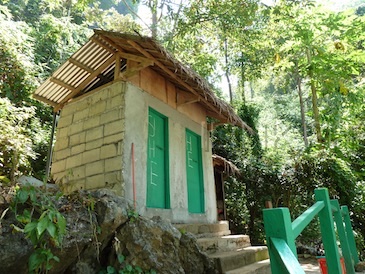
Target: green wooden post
column 328, row 232
column 346, row 253
column 278, row 225
column 350, row 234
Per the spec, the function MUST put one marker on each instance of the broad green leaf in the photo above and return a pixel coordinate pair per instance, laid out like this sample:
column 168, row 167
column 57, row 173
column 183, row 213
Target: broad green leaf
column 51, row 228
column 56, row 259
column 22, row 195
column 61, row 223
column 42, row 225
column 110, row 270
column 30, row 227
column 33, row 196
column 34, row 261
column 121, row 258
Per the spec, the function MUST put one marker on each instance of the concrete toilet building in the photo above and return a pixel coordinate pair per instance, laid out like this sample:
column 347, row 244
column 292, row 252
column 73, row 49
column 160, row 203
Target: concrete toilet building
column 134, row 119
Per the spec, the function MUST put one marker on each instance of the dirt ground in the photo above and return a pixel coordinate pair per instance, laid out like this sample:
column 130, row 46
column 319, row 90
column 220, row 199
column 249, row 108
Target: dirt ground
column 311, row 266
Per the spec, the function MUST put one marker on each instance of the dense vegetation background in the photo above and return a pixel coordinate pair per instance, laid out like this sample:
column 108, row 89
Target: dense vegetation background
column 293, row 70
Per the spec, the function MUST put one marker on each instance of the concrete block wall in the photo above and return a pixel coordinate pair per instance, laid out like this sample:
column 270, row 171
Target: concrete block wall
column 90, row 134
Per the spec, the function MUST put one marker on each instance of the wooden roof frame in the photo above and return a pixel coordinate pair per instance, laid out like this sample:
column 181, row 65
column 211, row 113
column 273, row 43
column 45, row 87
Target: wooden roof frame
column 104, row 52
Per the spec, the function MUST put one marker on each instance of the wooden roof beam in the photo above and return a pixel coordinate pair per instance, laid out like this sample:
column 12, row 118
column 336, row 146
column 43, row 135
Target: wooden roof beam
column 132, row 71
column 86, row 82
column 222, row 119
column 80, row 65
column 61, row 83
column 40, row 98
column 111, row 42
column 97, row 41
column 117, row 66
column 135, row 57
column 144, row 62
column 184, row 98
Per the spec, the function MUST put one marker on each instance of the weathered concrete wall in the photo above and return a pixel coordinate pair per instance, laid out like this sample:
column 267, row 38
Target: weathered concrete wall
column 90, row 134
column 136, row 125
column 95, row 135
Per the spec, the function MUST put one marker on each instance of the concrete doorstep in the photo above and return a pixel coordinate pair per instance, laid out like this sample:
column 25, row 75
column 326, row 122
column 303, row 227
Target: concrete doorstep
column 232, row 260
column 233, row 254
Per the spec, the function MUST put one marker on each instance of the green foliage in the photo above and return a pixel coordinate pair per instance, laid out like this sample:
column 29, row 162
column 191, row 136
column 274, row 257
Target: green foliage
column 132, row 215
column 119, row 6
column 29, row 51
column 57, row 39
column 41, row 222
column 23, row 142
column 111, row 20
column 289, row 45
column 236, row 205
column 218, row 39
column 245, row 195
column 16, row 56
column 16, row 147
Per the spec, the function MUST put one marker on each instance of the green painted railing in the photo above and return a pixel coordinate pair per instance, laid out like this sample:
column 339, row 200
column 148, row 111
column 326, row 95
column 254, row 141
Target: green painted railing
column 281, row 233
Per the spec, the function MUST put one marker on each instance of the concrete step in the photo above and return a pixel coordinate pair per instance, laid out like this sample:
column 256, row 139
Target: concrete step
column 230, row 260
column 202, row 230
column 261, row 267
column 224, row 243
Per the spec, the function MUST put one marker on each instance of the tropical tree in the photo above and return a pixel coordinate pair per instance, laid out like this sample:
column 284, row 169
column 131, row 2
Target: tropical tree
column 317, row 46
column 17, row 77
column 218, row 31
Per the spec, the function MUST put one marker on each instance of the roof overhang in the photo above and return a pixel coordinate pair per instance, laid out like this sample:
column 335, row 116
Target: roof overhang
column 104, row 59
column 226, row 167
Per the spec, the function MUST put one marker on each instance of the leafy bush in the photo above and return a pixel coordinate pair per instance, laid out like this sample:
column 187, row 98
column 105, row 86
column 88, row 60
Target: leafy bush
column 39, row 219
column 16, row 147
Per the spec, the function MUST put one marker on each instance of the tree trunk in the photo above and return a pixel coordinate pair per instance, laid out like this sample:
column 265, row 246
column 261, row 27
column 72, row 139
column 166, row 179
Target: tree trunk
column 154, row 19
column 302, row 107
column 227, row 71
column 252, row 91
column 243, row 79
column 317, row 123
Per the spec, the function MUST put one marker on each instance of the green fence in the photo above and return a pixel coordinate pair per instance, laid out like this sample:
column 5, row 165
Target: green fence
column 281, row 233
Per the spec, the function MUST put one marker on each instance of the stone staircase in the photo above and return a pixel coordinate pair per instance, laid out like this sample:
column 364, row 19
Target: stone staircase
column 233, row 254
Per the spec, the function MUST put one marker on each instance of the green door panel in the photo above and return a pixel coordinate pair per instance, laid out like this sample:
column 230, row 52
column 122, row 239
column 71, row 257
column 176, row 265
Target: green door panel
column 194, row 170
column 157, row 161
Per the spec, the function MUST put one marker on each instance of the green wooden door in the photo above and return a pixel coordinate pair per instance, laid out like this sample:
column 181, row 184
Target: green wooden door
column 157, row 161
column 194, row 169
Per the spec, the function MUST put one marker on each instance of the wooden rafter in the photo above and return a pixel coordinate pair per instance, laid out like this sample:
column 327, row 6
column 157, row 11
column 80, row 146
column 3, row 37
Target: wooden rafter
column 135, row 57
column 97, row 41
column 133, row 70
column 80, row 65
column 117, row 66
column 61, row 83
column 111, row 42
column 85, row 82
column 40, row 98
column 184, row 98
column 143, row 62
column 80, row 72
column 215, row 115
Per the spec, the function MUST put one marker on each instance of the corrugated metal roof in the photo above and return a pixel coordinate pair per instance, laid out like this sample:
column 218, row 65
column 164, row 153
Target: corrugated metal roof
column 94, row 64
